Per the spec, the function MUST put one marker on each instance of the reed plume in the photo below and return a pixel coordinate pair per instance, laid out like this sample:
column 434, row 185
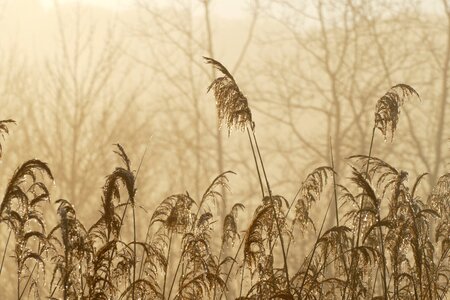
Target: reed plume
column 232, row 105
column 230, row 231
column 20, row 210
column 387, row 109
column 4, row 130
column 387, row 112
column 309, row 193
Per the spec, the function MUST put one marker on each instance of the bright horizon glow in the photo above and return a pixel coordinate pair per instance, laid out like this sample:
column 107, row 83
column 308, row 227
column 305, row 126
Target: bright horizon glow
column 225, row 8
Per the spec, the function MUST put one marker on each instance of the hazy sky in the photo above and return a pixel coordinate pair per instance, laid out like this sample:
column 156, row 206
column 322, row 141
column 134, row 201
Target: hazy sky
column 227, row 8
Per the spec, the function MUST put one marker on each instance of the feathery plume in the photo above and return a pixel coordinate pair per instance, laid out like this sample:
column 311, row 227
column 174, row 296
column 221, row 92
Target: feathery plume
column 232, row 105
column 387, row 110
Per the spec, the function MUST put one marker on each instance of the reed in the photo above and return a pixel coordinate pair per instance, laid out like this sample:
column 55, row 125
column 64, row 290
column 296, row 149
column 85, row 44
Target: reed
column 383, row 226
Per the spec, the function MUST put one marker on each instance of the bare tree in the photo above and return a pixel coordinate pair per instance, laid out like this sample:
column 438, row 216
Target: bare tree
column 335, row 59
column 184, row 34
column 79, row 102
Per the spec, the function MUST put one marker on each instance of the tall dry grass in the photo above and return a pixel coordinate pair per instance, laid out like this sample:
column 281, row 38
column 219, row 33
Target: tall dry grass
column 389, row 241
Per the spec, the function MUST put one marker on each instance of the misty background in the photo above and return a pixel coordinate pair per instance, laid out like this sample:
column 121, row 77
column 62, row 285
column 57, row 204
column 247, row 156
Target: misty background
column 80, row 76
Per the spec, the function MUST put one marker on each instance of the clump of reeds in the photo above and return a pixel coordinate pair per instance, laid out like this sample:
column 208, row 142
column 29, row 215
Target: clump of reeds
column 22, row 212
column 197, row 270
column 391, row 242
column 232, row 106
column 71, row 251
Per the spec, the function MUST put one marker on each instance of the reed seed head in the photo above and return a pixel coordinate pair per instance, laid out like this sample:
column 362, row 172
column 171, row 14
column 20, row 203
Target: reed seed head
column 232, row 105
column 387, row 110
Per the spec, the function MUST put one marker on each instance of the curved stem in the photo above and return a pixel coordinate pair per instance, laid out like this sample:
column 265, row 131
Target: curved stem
column 277, row 221
column 66, row 272
column 123, row 217
column 218, row 267
column 4, row 251
column 54, row 289
column 232, row 264
column 367, row 176
column 18, row 284
column 28, row 280
column 167, row 269
column 242, row 278
column 256, row 162
column 31, row 273
column 175, row 275
column 340, row 245
column 134, row 249
column 361, row 205
column 286, row 215
column 141, row 268
column 314, row 249
column 383, row 258
column 334, row 185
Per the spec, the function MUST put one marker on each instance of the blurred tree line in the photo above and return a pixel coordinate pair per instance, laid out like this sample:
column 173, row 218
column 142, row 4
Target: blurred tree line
column 312, row 73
